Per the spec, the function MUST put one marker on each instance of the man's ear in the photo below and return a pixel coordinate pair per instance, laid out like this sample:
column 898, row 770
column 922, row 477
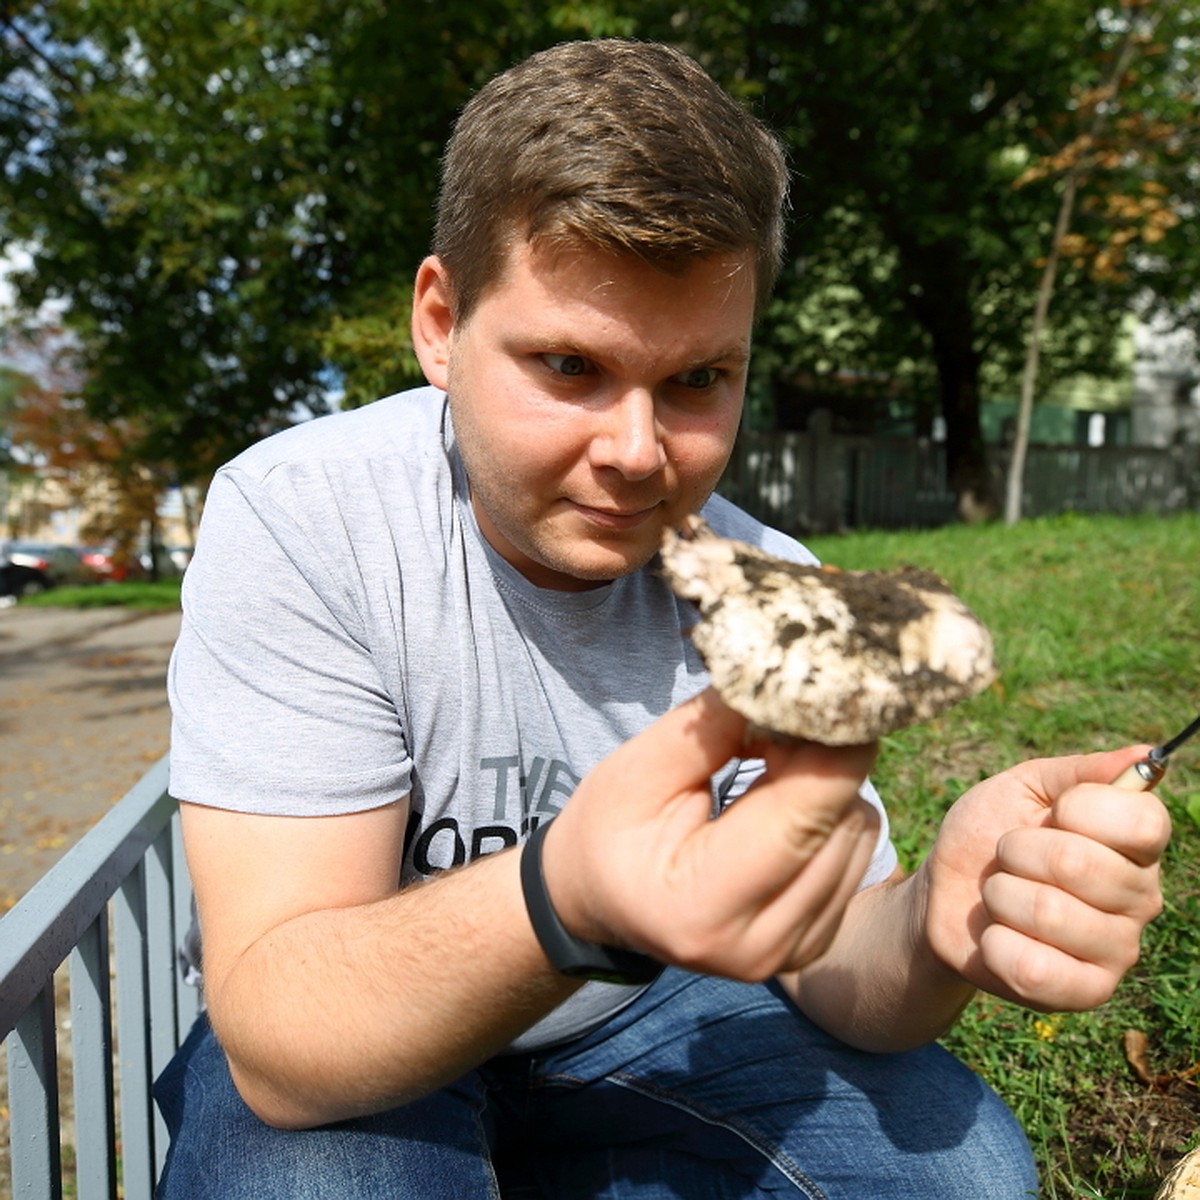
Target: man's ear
column 433, row 321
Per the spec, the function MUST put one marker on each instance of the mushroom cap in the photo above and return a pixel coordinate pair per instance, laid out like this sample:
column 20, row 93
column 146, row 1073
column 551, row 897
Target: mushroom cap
column 838, row 657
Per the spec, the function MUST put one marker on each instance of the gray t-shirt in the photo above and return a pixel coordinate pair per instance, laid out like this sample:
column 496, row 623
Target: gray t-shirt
column 351, row 639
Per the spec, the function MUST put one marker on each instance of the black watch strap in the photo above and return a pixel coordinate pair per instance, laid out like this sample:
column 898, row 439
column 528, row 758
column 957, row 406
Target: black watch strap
column 568, row 954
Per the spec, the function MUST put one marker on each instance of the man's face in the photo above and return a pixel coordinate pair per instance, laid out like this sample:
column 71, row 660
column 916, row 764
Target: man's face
column 595, row 400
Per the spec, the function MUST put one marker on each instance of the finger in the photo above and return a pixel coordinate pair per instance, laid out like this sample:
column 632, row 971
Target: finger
column 1135, row 824
column 1051, row 777
column 816, row 902
column 1018, row 967
column 781, row 823
column 1094, row 873
column 1058, row 919
column 681, row 749
column 758, row 938
column 801, row 839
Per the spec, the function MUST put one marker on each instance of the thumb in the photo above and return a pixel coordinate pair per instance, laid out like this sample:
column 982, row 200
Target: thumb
column 674, row 756
column 1049, row 778
column 806, row 791
column 646, row 796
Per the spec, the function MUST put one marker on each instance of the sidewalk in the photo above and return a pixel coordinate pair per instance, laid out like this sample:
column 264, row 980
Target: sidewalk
column 83, row 715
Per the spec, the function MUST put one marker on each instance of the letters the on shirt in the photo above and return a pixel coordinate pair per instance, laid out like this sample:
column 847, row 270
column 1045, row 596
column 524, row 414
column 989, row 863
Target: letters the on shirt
column 520, row 798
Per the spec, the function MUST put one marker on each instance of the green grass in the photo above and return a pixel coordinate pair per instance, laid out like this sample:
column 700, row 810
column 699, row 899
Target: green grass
column 153, row 597
column 1097, row 627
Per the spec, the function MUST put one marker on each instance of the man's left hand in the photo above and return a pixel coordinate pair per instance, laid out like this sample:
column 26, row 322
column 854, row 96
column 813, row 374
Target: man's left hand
column 1043, row 878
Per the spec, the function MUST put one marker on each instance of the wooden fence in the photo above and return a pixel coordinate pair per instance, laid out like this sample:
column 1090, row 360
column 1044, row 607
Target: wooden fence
column 818, row 482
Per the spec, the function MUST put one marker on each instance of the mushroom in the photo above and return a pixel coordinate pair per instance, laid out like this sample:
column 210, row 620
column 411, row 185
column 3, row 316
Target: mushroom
column 809, row 652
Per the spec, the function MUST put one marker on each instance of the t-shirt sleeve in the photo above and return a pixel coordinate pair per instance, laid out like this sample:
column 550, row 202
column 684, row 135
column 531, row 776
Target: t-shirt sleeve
column 277, row 704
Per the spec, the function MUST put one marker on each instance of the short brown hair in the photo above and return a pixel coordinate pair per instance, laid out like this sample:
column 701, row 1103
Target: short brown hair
column 624, row 145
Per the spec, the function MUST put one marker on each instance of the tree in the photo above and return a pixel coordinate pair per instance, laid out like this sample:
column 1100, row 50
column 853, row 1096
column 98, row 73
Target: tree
column 233, row 200
column 1123, row 145
column 928, row 160
column 55, row 436
column 912, row 251
column 11, row 383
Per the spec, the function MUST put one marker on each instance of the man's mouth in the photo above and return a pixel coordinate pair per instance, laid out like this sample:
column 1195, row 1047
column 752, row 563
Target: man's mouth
column 613, row 518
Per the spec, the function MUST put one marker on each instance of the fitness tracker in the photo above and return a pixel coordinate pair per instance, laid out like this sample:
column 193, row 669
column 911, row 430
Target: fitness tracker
column 568, row 954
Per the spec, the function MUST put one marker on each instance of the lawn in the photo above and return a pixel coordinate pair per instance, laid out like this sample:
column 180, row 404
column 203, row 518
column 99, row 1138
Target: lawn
column 1097, row 626
column 1098, row 637
column 155, row 597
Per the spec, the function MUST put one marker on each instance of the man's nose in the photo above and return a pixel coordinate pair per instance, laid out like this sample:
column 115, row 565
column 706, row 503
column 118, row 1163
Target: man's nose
column 630, row 439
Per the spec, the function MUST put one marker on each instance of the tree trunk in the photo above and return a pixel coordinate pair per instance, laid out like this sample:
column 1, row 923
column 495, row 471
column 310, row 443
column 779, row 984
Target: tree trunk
column 1016, row 471
column 966, row 455
column 1016, row 468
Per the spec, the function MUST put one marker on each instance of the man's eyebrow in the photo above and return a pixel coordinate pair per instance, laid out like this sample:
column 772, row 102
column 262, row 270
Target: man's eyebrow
column 734, row 357
column 738, row 355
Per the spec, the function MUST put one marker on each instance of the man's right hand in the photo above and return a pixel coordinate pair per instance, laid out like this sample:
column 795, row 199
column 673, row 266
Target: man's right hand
column 635, row 859
column 334, row 994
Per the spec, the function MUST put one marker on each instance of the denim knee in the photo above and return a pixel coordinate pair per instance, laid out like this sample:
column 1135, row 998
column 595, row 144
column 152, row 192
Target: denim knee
column 741, row 1079
column 434, row 1149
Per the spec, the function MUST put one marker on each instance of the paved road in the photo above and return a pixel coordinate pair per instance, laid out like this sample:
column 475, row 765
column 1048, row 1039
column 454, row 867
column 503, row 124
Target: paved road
column 83, row 716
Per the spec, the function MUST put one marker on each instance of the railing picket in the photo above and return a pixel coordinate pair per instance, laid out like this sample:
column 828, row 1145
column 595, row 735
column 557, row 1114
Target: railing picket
column 41, row 930
column 133, row 1038
column 33, row 1102
column 92, row 1046
column 134, row 859
column 187, row 998
column 160, row 972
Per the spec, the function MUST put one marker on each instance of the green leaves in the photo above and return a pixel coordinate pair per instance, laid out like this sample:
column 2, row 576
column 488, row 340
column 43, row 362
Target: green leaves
column 233, row 200
column 916, row 260
column 1191, row 805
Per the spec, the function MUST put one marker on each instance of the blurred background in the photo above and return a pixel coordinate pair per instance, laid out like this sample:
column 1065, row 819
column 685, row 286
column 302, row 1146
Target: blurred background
column 211, row 214
column 981, row 358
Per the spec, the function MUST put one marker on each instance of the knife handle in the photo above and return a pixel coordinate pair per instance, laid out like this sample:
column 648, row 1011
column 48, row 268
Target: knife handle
column 1142, row 776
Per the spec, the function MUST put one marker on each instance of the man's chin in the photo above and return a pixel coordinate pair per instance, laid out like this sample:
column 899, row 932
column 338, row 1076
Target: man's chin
column 594, row 564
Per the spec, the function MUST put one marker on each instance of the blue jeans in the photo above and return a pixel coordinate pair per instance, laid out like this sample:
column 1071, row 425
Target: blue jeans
column 702, row 1089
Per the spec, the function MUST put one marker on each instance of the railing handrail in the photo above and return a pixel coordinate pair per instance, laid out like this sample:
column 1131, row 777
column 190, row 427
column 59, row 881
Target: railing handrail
column 110, row 915
column 45, row 924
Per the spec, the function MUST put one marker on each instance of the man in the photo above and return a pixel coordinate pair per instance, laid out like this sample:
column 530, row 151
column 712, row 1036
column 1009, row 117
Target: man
column 414, row 632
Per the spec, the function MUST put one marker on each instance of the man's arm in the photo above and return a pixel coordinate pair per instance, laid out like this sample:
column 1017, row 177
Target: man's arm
column 1038, row 889
column 334, row 994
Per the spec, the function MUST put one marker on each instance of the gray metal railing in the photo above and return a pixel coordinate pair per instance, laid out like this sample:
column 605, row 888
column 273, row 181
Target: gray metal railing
column 128, row 868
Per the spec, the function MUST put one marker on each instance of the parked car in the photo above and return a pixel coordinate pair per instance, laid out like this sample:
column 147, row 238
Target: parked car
column 37, row 566
column 107, row 564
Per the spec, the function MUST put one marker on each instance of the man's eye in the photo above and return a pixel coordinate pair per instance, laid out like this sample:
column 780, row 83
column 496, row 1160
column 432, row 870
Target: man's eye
column 568, row 364
column 699, row 377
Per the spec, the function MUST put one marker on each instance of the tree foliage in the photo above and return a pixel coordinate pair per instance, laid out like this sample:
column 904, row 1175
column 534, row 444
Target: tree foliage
column 232, row 199
column 1111, row 143
column 915, row 257
column 53, row 434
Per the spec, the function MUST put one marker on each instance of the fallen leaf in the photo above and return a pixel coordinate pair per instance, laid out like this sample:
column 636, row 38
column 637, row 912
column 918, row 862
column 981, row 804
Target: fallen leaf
column 1137, row 1054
